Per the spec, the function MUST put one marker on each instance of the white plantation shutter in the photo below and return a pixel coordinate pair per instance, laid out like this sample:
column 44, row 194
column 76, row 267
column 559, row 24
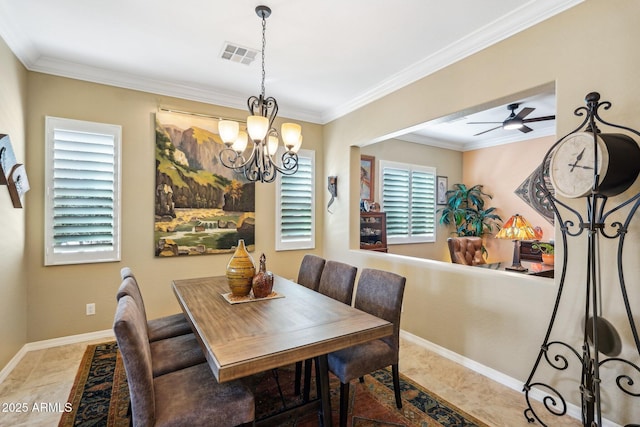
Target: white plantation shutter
column 295, row 206
column 82, row 205
column 408, row 198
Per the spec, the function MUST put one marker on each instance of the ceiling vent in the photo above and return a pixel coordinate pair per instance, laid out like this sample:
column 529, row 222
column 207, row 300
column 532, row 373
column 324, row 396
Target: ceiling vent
column 236, row 53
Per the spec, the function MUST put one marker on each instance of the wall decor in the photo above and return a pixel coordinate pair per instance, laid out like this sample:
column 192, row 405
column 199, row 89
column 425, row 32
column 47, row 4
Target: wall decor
column 442, row 185
column 332, row 186
column 18, row 184
column 529, row 191
column 367, row 177
column 7, row 158
column 201, row 207
column 602, row 369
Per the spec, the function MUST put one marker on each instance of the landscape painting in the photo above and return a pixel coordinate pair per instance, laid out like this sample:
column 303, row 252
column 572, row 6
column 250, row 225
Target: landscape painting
column 201, row 207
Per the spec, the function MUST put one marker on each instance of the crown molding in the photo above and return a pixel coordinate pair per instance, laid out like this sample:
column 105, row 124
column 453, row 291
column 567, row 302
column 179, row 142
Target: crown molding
column 527, row 15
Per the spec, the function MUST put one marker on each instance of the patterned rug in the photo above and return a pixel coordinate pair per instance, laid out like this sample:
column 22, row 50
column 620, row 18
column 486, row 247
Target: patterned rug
column 100, row 397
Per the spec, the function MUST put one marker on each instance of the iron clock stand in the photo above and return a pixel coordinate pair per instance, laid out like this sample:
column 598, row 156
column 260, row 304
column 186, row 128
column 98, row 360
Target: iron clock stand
column 601, row 345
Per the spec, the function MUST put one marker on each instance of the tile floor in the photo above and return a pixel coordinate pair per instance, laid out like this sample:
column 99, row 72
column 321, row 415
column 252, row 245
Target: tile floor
column 46, row 376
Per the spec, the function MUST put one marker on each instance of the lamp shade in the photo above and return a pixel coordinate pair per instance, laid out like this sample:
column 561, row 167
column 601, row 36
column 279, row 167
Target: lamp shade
column 241, row 142
column 516, row 228
column 272, row 145
column 257, row 126
column 291, row 133
column 228, row 131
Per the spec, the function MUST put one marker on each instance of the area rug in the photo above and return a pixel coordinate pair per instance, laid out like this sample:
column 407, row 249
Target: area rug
column 100, row 397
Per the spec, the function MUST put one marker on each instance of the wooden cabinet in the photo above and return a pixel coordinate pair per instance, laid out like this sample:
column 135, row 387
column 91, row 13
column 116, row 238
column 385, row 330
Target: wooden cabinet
column 373, row 231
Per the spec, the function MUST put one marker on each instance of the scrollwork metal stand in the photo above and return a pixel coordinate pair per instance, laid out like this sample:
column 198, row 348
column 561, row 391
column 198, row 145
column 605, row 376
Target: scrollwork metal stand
column 558, row 355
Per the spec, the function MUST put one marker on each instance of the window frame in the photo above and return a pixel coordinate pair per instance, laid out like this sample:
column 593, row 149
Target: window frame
column 51, row 258
column 303, row 243
column 410, row 168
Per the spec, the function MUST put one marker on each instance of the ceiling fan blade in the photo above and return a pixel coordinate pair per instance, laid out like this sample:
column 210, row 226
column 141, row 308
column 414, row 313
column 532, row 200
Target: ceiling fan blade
column 482, row 123
column 488, row 130
column 539, row 119
column 524, row 113
column 525, row 129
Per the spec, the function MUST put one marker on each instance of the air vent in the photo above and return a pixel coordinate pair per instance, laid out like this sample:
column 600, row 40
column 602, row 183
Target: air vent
column 236, row 53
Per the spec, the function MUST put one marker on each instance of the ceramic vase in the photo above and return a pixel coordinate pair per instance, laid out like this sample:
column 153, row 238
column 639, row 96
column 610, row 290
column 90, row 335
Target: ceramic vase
column 240, row 271
column 263, row 281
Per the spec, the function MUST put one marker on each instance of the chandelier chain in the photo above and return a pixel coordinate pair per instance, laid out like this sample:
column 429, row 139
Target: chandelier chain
column 264, row 42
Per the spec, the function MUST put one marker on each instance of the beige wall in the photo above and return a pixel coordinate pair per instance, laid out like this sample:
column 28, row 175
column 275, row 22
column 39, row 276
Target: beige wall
column 501, row 170
column 58, row 294
column 499, row 319
column 496, row 319
column 447, row 162
column 13, row 285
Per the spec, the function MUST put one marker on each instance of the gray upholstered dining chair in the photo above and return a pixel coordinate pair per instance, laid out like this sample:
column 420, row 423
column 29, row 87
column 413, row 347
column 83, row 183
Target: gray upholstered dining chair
column 172, row 352
column 310, row 271
column 337, row 281
column 308, row 276
column 161, row 328
column 379, row 293
column 187, row 397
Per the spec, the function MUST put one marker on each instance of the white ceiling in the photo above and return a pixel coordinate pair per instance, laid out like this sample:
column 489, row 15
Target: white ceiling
column 323, row 58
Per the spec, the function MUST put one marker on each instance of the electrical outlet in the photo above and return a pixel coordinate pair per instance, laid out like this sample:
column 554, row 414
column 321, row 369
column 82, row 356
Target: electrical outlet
column 91, row 309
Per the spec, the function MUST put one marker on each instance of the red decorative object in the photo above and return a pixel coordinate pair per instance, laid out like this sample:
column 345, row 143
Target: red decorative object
column 263, row 281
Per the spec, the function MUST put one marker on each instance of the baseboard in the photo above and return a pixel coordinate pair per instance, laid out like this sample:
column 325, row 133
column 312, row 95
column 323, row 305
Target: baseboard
column 54, row 342
column 497, row 376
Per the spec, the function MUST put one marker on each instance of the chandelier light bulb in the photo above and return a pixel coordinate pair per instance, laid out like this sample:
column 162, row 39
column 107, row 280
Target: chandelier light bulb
column 241, row 142
column 272, row 145
column 228, row 131
column 297, row 145
column 291, row 133
column 257, row 126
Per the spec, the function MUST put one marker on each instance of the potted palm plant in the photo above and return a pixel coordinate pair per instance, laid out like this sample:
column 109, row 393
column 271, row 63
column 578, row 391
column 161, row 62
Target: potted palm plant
column 466, row 212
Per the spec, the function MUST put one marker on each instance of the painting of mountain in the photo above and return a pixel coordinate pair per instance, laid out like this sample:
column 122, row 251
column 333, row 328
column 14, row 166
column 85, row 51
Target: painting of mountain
column 201, row 207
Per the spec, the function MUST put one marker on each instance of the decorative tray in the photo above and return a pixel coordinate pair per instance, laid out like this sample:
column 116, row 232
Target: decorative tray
column 249, row 298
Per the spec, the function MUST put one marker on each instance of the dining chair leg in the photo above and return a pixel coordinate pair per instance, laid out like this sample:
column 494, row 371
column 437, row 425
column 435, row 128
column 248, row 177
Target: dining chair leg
column 275, row 375
column 296, row 387
column 344, row 404
column 325, row 396
column 307, row 380
column 396, row 385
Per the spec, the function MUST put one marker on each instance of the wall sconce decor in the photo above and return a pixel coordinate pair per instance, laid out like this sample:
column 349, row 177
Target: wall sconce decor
column 332, row 186
column 12, row 173
column 7, row 158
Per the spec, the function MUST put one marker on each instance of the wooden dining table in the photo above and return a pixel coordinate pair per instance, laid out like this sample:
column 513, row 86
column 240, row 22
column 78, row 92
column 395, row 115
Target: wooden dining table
column 241, row 339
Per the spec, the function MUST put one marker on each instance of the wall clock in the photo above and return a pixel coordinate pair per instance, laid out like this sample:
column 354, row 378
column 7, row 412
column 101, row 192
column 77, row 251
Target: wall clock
column 573, row 169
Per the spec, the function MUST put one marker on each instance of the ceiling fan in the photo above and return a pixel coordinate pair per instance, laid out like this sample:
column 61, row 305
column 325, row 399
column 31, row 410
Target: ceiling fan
column 515, row 121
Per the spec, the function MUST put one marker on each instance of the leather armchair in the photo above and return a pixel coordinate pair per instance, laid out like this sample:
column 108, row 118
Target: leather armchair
column 466, row 250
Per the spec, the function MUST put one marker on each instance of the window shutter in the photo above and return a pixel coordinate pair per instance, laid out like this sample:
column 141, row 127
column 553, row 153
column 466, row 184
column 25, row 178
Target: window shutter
column 408, row 199
column 395, row 200
column 295, row 217
column 423, row 203
column 83, row 195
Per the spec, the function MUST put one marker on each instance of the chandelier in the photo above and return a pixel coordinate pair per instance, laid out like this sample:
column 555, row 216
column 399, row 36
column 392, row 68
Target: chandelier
column 261, row 164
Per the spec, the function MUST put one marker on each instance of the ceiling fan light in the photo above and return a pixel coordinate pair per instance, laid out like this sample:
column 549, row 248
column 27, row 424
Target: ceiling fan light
column 512, row 124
